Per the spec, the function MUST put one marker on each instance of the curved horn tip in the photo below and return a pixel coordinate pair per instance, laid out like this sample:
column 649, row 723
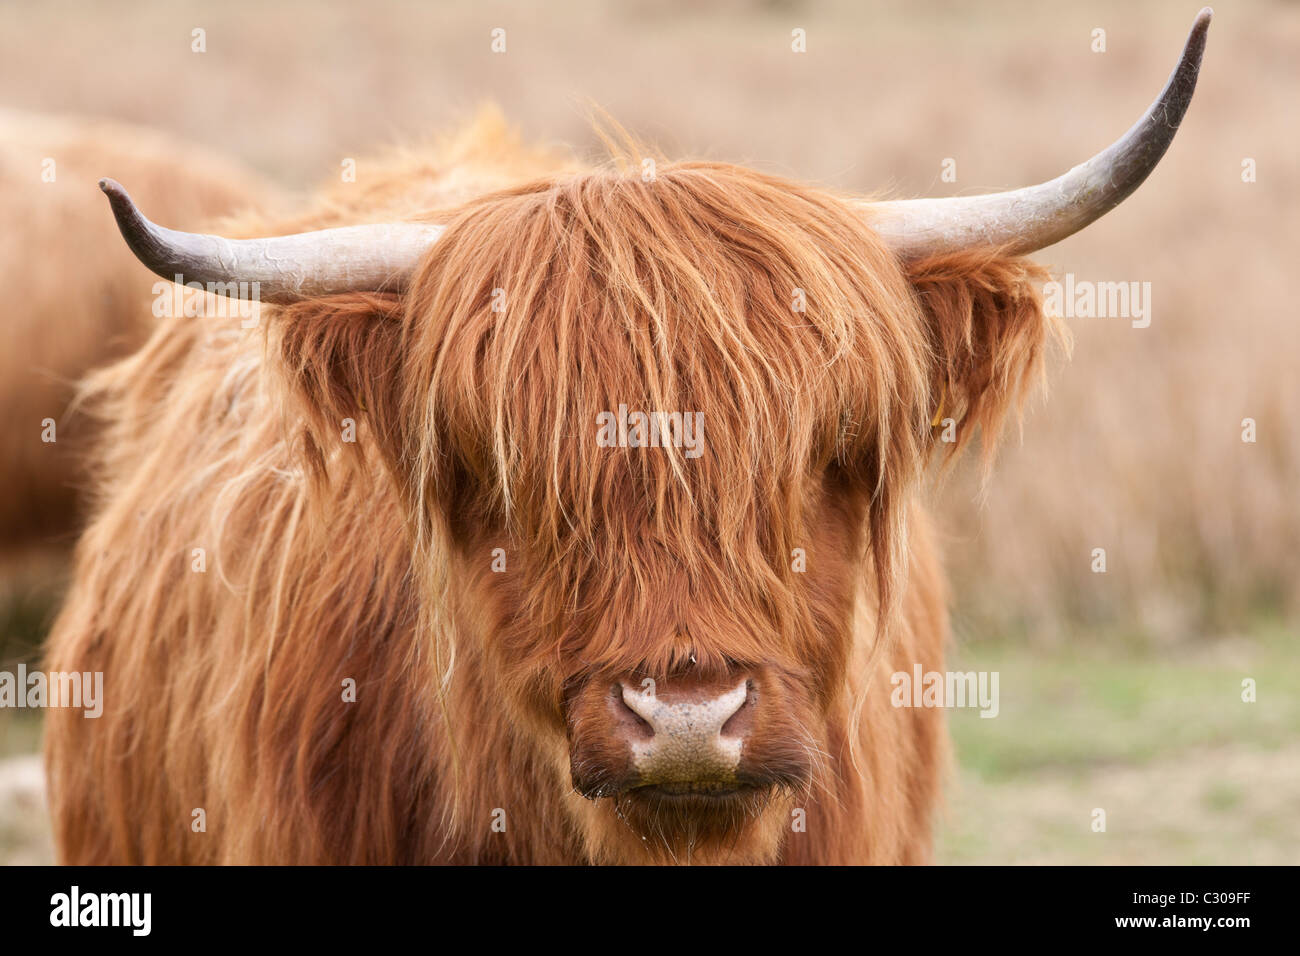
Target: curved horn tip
column 124, row 209
column 1200, row 27
column 111, row 187
column 1202, row 22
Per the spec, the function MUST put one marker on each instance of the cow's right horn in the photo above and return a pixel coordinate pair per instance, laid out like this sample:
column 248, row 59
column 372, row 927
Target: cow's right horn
column 286, row 268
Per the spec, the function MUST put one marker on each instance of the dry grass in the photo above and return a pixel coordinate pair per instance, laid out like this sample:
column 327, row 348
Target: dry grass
column 1199, row 808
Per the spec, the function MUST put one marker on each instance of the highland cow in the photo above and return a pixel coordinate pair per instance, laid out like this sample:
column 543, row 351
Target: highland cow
column 365, row 587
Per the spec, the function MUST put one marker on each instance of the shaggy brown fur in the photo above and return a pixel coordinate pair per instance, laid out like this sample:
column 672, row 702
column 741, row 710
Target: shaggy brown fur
column 329, row 560
column 77, row 297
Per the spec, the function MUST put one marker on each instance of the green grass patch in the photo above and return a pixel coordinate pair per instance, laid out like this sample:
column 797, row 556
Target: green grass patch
column 1093, row 703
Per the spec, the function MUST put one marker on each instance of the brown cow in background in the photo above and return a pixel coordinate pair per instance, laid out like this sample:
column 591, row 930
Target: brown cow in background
column 369, row 583
column 76, row 299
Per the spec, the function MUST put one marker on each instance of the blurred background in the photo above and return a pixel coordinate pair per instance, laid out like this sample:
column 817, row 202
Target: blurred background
column 1119, row 690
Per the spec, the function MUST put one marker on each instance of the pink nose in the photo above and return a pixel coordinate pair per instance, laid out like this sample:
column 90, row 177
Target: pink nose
column 685, row 736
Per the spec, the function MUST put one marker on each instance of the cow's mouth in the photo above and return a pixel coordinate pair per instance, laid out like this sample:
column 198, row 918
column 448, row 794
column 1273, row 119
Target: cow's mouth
column 689, row 818
column 697, row 801
column 695, row 788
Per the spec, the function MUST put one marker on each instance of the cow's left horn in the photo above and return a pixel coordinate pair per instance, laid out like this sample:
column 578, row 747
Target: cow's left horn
column 1024, row 220
column 286, row 268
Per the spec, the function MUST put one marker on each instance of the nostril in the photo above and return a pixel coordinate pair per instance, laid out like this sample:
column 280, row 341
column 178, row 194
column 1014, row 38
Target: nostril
column 739, row 723
column 625, row 713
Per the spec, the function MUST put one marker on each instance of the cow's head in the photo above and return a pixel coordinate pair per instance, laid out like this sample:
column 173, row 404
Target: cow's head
column 669, row 628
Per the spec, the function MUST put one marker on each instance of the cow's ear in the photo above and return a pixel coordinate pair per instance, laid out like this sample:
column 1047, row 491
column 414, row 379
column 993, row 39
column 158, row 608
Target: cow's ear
column 341, row 357
column 983, row 314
